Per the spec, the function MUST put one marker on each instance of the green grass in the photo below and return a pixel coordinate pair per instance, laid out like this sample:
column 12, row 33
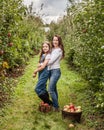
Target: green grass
column 22, row 113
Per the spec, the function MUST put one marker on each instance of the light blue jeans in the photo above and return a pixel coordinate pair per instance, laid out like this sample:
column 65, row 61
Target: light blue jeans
column 54, row 76
column 40, row 87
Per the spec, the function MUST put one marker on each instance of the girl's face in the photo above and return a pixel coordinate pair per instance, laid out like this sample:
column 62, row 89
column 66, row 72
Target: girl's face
column 55, row 42
column 45, row 48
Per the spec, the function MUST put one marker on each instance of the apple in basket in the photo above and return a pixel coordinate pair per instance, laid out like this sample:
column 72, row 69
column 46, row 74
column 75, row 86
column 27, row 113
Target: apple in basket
column 72, row 110
column 71, row 106
column 78, row 109
column 66, row 108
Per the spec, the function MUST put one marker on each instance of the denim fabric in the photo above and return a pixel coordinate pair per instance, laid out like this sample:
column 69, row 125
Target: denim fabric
column 42, row 58
column 43, row 76
column 54, row 76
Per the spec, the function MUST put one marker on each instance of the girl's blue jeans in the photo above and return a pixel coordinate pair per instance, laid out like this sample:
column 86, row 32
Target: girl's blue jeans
column 54, row 76
column 43, row 76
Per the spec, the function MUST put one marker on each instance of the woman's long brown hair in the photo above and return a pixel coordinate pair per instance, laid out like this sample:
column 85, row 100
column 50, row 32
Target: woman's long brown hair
column 60, row 44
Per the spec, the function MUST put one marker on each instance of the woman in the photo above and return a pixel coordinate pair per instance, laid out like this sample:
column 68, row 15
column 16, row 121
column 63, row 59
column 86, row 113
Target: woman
column 40, row 88
column 57, row 54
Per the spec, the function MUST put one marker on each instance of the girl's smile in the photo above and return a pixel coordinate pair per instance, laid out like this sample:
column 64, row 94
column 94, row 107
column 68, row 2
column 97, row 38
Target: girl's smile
column 45, row 48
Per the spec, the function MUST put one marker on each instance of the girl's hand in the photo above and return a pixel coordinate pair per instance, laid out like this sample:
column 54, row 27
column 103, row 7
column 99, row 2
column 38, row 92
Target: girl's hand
column 34, row 75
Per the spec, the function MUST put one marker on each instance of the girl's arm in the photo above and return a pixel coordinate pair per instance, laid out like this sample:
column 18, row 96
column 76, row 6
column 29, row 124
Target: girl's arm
column 44, row 64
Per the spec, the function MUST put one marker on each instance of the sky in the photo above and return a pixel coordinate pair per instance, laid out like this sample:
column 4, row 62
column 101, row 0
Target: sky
column 51, row 9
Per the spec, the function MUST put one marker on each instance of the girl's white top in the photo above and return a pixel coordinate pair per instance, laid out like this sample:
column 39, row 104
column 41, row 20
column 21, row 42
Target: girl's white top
column 54, row 62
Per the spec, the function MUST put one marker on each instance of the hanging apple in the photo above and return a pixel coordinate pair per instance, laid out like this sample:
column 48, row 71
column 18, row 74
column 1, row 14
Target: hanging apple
column 1, row 52
column 10, row 44
column 9, row 34
column 84, row 30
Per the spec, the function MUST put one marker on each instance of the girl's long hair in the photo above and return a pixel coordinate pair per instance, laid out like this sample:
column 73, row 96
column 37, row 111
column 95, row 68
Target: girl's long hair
column 42, row 52
column 60, row 44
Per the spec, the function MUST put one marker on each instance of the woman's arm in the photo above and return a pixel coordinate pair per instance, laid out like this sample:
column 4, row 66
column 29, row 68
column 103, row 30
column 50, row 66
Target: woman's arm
column 55, row 56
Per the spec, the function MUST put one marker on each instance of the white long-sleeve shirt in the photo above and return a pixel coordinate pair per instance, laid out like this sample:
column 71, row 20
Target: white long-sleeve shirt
column 54, row 62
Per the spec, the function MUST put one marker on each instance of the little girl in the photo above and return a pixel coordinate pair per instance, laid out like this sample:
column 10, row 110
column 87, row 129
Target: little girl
column 43, row 76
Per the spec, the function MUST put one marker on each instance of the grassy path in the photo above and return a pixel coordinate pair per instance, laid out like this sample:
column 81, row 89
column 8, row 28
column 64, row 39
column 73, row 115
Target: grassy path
column 22, row 113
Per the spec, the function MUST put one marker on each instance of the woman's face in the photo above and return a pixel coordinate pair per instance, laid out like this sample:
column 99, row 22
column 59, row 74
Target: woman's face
column 55, row 42
column 45, row 48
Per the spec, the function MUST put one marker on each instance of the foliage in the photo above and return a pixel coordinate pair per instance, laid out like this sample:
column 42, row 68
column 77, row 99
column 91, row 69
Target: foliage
column 18, row 33
column 82, row 32
column 89, row 30
column 21, row 35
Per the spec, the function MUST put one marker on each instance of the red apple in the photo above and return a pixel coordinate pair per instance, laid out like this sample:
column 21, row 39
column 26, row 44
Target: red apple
column 71, row 106
column 10, row 44
column 9, row 34
column 1, row 52
column 84, row 30
column 46, row 104
column 72, row 110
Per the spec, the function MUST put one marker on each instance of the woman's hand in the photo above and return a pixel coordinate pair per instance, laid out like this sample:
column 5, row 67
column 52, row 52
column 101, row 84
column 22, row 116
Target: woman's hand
column 40, row 64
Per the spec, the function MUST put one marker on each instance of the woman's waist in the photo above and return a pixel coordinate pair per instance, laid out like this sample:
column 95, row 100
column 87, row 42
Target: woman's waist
column 50, row 67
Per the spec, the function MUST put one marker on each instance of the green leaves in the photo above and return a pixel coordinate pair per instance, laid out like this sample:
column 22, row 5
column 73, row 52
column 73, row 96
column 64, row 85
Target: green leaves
column 21, row 27
column 82, row 31
column 20, row 33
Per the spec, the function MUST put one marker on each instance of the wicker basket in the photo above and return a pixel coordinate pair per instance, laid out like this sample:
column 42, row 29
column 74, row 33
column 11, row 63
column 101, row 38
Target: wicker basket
column 74, row 116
